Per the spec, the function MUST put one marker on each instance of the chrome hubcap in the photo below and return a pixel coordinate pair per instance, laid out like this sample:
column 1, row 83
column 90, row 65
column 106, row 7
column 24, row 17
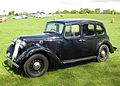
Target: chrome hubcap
column 103, row 53
column 36, row 65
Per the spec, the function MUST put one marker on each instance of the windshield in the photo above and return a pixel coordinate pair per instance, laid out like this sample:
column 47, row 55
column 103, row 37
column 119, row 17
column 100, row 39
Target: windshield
column 54, row 27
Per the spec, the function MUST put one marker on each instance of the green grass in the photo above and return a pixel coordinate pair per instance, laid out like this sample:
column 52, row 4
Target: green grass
column 87, row 74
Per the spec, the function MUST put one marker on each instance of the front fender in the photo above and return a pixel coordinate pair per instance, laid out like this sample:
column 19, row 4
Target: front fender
column 107, row 42
column 53, row 59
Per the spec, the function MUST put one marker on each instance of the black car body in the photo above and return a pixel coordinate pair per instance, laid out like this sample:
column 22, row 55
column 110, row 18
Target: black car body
column 63, row 41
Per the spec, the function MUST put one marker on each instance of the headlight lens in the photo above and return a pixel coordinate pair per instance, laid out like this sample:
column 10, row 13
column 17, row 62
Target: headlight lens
column 23, row 44
column 14, row 40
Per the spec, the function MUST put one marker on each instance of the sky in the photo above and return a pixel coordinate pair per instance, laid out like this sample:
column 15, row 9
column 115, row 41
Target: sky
column 54, row 5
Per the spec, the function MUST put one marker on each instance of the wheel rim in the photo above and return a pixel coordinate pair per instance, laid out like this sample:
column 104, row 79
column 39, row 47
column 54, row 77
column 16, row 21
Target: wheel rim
column 36, row 66
column 103, row 53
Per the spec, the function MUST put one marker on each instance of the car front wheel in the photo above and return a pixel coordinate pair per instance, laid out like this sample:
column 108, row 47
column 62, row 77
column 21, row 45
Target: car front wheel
column 103, row 53
column 36, row 65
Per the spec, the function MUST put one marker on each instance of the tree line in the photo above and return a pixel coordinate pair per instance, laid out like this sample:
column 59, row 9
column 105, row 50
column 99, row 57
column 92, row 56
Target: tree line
column 81, row 11
column 87, row 10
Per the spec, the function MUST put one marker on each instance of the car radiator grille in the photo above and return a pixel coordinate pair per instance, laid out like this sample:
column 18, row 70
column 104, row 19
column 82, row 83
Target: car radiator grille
column 16, row 49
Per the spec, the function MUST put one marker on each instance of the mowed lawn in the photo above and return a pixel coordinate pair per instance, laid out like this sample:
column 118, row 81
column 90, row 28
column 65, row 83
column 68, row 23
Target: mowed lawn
column 83, row 74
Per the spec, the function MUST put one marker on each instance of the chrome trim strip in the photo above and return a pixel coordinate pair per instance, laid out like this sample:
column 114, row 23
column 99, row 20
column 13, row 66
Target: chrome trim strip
column 16, row 65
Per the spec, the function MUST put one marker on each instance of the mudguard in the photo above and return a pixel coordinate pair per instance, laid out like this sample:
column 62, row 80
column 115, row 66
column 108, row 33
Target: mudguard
column 53, row 59
column 107, row 42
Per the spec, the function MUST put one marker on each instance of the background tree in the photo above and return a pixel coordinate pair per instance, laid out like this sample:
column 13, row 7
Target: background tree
column 11, row 13
column 65, row 11
column 113, row 12
column 82, row 11
column 57, row 12
column 74, row 12
column 97, row 10
column 86, row 10
column 16, row 14
column 25, row 13
column 108, row 11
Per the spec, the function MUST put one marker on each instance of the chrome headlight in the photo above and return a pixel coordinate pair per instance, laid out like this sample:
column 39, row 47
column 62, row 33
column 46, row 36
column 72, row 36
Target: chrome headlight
column 14, row 40
column 22, row 44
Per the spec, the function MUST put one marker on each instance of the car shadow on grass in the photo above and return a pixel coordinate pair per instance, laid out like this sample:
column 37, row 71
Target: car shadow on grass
column 19, row 71
column 13, row 70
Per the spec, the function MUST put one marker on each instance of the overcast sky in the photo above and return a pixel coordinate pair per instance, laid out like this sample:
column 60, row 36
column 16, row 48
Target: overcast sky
column 53, row 5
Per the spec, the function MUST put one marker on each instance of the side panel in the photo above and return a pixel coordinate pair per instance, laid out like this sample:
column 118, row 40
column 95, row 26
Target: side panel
column 54, row 46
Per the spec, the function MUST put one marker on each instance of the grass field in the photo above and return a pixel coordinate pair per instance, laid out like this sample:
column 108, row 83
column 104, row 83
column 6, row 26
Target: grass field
column 85, row 74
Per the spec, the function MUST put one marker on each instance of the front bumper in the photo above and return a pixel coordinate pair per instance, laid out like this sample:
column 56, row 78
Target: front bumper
column 12, row 53
column 11, row 62
column 114, row 48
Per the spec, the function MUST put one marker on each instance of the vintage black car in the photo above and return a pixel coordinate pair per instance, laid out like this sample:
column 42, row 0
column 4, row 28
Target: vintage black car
column 63, row 41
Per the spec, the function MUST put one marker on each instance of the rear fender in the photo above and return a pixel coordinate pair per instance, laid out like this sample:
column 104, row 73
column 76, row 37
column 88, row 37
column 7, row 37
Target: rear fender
column 111, row 48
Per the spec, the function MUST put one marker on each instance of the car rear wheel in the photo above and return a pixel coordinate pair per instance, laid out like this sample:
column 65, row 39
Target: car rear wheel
column 103, row 53
column 36, row 65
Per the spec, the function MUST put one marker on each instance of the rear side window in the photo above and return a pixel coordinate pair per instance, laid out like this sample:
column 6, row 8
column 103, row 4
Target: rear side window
column 99, row 29
column 88, row 29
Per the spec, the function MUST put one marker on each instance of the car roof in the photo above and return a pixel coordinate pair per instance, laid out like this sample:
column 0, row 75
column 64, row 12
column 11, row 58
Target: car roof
column 80, row 20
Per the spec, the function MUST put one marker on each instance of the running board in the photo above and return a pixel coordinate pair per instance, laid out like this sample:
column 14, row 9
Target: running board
column 80, row 59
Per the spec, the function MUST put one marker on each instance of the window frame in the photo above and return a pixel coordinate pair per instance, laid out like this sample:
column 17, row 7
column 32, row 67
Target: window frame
column 73, row 37
column 45, row 30
column 101, row 28
column 94, row 30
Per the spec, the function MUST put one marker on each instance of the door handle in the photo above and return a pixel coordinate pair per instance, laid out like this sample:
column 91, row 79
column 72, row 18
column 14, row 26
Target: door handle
column 81, row 40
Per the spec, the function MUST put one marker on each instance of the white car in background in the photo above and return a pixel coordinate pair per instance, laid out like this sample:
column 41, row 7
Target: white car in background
column 24, row 17
column 17, row 17
column 20, row 17
column 42, row 15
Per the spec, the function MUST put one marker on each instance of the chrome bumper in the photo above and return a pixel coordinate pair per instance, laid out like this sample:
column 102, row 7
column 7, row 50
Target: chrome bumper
column 114, row 48
column 11, row 62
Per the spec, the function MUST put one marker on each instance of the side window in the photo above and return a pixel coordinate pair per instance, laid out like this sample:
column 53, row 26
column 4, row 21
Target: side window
column 72, row 31
column 99, row 29
column 88, row 29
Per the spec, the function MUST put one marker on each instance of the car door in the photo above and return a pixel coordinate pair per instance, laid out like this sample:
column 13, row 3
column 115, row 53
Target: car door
column 90, row 39
column 71, row 46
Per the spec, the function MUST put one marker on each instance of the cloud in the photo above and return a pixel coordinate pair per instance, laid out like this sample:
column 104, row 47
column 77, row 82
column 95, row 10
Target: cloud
column 52, row 6
column 105, row 0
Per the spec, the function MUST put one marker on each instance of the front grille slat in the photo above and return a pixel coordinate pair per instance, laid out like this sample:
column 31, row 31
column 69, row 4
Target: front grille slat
column 16, row 49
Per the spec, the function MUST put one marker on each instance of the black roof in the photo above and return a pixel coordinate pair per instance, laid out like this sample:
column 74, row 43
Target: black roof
column 81, row 20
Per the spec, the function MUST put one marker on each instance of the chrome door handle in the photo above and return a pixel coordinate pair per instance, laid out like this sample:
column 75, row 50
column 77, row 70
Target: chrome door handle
column 81, row 40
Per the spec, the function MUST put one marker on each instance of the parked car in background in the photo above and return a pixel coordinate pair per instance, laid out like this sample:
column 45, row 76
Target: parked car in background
column 20, row 17
column 41, row 15
column 63, row 41
column 17, row 17
column 24, row 17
